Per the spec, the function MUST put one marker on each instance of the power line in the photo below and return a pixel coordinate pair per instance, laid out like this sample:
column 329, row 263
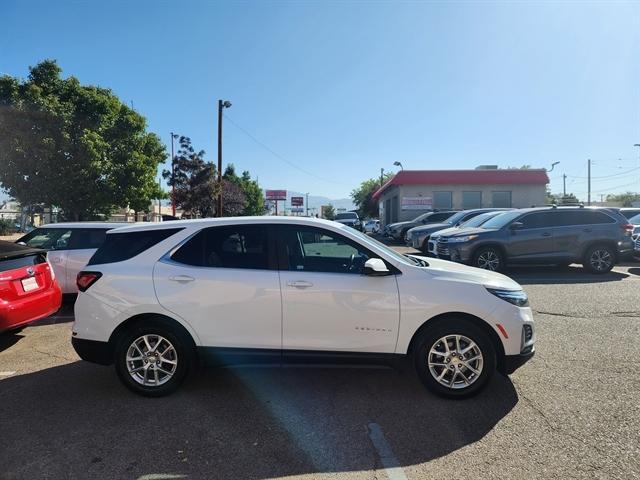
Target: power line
column 608, row 176
column 278, row 156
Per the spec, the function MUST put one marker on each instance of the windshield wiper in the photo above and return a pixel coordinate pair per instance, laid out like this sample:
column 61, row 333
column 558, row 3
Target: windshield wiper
column 419, row 261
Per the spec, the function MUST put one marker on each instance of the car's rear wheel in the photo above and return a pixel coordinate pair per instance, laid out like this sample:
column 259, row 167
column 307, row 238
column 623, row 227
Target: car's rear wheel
column 489, row 258
column 455, row 358
column 599, row 259
column 152, row 358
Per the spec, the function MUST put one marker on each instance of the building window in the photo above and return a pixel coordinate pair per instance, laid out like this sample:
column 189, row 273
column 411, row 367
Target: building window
column 501, row 199
column 441, row 200
column 471, row 200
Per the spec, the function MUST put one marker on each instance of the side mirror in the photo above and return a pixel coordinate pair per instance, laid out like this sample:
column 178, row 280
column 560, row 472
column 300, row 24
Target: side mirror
column 375, row 267
column 21, row 243
column 516, row 226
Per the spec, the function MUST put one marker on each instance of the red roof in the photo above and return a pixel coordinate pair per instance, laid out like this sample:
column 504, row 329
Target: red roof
column 466, row 177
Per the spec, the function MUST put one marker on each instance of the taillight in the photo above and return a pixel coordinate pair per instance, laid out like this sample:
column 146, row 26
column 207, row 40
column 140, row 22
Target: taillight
column 628, row 228
column 85, row 279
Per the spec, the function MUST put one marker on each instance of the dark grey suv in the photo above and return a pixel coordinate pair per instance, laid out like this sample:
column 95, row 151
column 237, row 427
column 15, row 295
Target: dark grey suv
column 595, row 237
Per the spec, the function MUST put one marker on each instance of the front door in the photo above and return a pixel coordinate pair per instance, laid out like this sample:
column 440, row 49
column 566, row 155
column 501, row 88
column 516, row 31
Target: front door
column 327, row 303
column 224, row 283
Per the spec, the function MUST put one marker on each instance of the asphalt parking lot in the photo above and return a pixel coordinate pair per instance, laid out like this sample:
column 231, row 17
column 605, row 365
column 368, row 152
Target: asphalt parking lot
column 572, row 412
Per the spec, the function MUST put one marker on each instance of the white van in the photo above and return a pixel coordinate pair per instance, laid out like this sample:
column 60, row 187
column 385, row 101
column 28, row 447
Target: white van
column 70, row 247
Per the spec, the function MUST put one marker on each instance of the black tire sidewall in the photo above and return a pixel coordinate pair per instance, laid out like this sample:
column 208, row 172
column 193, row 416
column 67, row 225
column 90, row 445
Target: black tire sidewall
column 586, row 263
column 183, row 348
column 481, row 250
column 449, row 327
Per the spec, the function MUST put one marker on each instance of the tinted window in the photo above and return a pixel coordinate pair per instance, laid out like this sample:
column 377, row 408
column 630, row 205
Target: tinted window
column 442, row 200
column 312, row 249
column 501, row 199
column 631, row 212
column 118, row 247
column 238, row 246
column 582, row 217
column 537, row 220
column 20, row 262
column 635, row 220
column 47, row 238
column 468, row 216
column 86, row 238
column 439, row 217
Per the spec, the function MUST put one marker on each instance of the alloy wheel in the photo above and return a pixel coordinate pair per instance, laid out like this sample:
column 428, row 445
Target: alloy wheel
column 489, row 260
column 151, row 360
column 601, row 260
column 455, row 361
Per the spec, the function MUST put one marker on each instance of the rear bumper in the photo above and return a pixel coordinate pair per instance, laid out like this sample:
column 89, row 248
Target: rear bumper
column 93, row 351
column 513, row 362
column 16, row 314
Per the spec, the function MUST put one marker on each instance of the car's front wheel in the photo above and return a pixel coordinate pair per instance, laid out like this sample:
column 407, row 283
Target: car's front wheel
column 455, row 358
column 489, row 258
column 599, row 259
column 153, row 358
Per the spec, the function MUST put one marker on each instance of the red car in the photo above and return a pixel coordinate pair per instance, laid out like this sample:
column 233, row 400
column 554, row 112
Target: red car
column 28, row 290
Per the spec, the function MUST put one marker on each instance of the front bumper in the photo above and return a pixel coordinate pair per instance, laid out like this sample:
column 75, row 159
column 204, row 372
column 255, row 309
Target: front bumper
column 512, row 362
column 93, row 351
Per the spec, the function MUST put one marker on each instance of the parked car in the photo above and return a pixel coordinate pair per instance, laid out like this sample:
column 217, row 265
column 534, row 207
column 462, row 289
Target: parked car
column 595, row 237
column 419, row 236
column 350, row 219
column 399, row 229
column 473, row 222
column 635, row 236
column 629, row 212
column 372, row 226
column 288, row 290
column 28, row 290
column 70, row 246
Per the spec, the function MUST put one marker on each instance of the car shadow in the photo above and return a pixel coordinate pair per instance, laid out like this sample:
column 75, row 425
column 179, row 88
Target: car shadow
column 10, row 338
column 634, row 271
column 77, row 420
column 553, row 275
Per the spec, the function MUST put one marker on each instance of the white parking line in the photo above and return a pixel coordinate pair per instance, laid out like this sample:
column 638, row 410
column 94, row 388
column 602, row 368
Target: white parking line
column 7, row 374
column 389, row 461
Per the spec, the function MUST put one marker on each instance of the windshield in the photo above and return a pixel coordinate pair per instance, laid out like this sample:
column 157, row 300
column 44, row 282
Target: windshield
column 420, row 218
column 480, row 219
column 502, row 220
column 456, row 218
column 635, row 220
column 346, row 216
column 392, row 253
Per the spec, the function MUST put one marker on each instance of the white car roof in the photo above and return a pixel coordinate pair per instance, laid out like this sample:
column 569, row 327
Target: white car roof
column 205, row 222
column 88, row 225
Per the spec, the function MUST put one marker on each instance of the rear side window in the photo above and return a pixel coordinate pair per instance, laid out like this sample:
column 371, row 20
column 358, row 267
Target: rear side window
column 20, row 262
column 122, row 246
column 85, row 238
column 236, row 246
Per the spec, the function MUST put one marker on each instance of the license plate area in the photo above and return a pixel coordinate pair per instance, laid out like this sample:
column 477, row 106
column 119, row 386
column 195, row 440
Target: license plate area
column 29, row 284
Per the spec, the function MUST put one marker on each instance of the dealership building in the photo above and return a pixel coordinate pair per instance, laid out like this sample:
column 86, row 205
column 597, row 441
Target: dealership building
column 412, row 192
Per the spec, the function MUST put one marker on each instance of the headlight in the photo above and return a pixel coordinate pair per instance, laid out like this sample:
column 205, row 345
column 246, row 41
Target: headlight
column 466, row 238
column 516, row 297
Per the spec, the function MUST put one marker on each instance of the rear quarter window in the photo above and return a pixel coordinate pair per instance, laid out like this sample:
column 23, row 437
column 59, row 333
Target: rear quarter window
column 122, row 246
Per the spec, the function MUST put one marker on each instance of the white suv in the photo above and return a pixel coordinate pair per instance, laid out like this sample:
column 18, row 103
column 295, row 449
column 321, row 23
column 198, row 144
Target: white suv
column 155, row 298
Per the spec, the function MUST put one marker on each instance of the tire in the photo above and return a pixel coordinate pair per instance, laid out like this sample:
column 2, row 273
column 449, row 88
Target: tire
column 176, row 346
column 599, row 259
column 429, row 365
column 488, row 258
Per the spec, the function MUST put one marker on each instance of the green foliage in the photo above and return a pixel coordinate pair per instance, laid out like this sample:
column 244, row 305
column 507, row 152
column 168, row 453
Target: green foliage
column 560, row 199
column 253, row 198
column 74, row 146
column 6, row 226
column 626, row 199
column 329, row 212
column 363, row 196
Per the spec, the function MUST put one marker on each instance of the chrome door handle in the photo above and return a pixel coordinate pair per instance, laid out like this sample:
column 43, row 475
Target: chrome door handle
column 300, row 284
column 181, row 278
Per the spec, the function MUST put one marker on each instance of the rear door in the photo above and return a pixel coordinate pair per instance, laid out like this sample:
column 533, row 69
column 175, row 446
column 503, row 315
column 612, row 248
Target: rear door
column 576, row 228
column 82, row 244
column 224, row 282
column 534, row 241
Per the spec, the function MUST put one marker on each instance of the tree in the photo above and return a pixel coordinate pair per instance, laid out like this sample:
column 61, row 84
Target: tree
column 626, row 199
column 194, row 181
column 560, row 199
column 329, row 212
column 363, row 196
column 77, row 147
column 253, row 201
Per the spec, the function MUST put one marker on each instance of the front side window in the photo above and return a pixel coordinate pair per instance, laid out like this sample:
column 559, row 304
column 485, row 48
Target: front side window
column 47, row 238
column 439, row 217
column 537, row 220
column 311, row 249
column 234, row 246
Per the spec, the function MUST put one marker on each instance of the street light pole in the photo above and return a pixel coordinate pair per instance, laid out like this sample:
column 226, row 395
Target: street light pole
column 398, row 164
column 589, row 182
column 221, row 105
column 306, row 203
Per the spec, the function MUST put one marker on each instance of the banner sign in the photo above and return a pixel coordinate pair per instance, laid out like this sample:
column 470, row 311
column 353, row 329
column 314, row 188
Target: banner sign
column 275, row 194
column 416, row 203
column 297, row 201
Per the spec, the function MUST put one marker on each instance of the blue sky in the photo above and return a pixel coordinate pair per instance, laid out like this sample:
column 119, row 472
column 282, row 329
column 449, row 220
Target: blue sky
column 341, row 89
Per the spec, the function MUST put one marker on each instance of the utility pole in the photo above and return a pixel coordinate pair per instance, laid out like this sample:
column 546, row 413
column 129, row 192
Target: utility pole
column 306, row 203
column 589, row 182
column 381, row 177
column 564, row 185
column 221, row 105
column 173, row 178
